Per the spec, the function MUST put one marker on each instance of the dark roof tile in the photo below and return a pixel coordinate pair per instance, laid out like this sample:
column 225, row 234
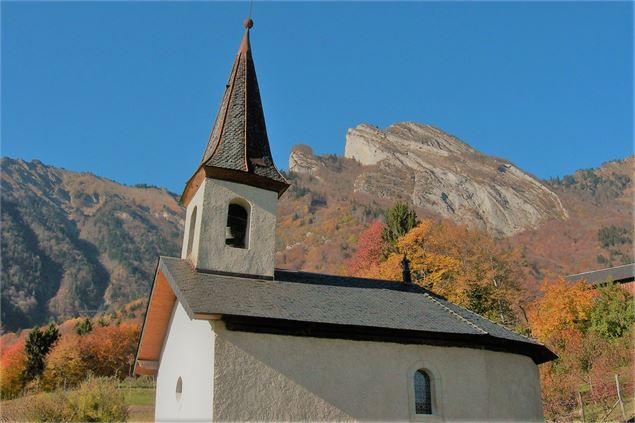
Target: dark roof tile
column 328, row 299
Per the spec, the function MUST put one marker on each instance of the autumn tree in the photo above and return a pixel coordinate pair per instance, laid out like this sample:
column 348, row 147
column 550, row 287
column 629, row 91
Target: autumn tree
column 613, row 312
column 562, row 306
column 37, row 346
column 105, row 351
column 370, row 247
column 468, row 267
column 400, row 218
column 12, row 363
column 588, row 329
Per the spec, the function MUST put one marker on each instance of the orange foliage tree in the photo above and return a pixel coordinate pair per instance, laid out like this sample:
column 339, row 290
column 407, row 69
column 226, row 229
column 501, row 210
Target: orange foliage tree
column 105, row 351
column 562, row 306
column 12, row 364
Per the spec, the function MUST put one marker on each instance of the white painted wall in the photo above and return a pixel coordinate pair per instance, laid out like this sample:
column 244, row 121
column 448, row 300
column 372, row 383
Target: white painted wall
column 188, row 352
column 274, row 377
column 209, row 243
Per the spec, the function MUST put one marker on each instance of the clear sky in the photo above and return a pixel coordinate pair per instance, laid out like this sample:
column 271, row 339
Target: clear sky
column 130, row 90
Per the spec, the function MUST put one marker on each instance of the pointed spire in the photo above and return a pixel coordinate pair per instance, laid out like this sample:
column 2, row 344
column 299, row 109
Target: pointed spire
column 238, row 146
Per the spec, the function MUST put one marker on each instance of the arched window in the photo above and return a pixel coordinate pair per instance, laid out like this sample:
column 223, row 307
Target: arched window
column 423, row 397
column 190, row 237
column 237, row 224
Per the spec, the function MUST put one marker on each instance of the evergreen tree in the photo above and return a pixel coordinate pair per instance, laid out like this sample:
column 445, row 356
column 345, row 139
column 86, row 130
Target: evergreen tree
column 400, row 218
column 37, row 346
column 84, row 327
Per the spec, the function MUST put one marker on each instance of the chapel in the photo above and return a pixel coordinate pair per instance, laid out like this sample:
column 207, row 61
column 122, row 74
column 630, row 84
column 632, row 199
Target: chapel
column 229, row 337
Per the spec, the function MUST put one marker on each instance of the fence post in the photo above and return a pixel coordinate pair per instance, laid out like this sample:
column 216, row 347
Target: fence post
column 619, row 396
column 581, row 404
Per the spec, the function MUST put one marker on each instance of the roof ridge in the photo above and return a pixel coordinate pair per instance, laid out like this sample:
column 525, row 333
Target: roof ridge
column 398, row 285
column 497, row 324
column 601, row 270
column 474, row 325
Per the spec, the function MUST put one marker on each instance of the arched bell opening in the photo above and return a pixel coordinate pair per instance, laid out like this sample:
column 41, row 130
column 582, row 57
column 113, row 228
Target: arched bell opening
column 237, row 229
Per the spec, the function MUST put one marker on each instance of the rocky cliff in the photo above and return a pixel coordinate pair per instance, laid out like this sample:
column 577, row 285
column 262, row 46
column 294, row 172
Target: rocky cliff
column 441, row 174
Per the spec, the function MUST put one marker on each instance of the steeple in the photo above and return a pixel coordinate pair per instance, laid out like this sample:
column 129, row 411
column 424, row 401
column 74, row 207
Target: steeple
column 238, row 147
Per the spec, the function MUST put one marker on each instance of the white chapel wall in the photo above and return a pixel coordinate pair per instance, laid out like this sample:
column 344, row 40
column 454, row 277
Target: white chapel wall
column 275, row 377
column 187, row 353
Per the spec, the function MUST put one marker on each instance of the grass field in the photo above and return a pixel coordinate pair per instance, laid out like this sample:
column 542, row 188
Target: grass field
column 138, row 396
column 140, row 402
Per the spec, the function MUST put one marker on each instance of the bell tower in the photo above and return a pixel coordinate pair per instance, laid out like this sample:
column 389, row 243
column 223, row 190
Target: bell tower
column 232, row 197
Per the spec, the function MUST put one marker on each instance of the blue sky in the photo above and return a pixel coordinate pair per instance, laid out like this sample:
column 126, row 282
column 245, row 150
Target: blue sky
column 130, row 90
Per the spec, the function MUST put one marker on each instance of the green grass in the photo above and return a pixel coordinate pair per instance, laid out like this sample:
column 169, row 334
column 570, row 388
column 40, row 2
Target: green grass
column 138, row 396
column 140, row 402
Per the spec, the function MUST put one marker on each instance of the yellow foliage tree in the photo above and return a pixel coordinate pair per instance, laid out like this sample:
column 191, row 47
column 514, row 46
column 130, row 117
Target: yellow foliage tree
column 468, row 267
column 561, row 307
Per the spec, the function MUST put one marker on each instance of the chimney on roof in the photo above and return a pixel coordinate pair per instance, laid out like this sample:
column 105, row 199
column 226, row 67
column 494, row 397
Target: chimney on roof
column 405, row 270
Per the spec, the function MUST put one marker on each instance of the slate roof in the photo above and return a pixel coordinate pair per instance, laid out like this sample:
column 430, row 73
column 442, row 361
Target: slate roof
column 337, row 300
column 618, row 274
column 238, row 140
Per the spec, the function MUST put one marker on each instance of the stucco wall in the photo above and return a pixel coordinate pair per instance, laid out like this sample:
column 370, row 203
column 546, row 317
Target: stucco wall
column 188, row 352
column 274, row 377
column 213, row 199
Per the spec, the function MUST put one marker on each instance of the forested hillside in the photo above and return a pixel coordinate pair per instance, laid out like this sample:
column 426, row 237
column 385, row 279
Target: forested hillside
column 75, row 243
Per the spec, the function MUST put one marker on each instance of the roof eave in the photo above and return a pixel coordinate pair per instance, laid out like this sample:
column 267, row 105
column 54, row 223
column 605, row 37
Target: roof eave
column 231, row 175
column 537, row 352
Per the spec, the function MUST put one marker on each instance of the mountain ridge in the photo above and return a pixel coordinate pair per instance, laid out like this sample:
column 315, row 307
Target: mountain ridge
column 76, row 242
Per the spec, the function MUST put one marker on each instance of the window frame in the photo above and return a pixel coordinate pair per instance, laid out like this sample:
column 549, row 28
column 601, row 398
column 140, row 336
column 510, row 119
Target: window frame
column 435, row 393
column 427, row 387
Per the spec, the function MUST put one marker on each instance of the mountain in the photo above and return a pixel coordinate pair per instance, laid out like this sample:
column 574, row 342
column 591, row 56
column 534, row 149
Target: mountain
column 74, row 243
column 442, row 175
column 599, row 230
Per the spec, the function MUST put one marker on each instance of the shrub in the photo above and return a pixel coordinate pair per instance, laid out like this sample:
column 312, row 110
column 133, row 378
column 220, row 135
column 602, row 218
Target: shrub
column 96, row 400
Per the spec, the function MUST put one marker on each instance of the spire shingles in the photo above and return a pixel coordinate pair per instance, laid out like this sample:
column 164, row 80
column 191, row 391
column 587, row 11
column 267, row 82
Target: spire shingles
column 238, row 141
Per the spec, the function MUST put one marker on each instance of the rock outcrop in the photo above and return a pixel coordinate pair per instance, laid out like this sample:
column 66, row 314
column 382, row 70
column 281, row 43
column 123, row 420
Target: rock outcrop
column 441, row 174
column 302, row 160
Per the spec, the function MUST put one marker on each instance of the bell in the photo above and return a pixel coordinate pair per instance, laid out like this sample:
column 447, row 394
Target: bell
column 229, row 236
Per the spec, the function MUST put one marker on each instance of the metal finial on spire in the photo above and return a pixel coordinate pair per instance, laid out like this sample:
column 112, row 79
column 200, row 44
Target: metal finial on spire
column 248, row 23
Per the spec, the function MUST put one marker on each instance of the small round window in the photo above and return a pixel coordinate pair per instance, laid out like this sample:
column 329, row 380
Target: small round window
column 179, row 389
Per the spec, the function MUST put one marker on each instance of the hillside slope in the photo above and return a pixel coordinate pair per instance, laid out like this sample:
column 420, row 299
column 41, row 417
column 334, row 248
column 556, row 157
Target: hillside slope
column 73, row 243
